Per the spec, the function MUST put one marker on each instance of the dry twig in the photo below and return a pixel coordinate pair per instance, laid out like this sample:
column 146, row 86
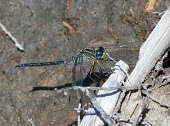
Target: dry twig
column 19, row 46
column 79, row 111
column 159, row 13
column 150, row 6
column 113, row 34
column 142, row 106
column 164, row 83
column 155, row 100
column 99, row 108
column 71, row 29
column 119, row 103
column 68, row 5
column 129, row 88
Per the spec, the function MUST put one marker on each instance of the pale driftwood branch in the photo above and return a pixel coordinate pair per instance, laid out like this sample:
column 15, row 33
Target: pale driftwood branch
column 19, row 46
column 152, row 50
column 107, row 99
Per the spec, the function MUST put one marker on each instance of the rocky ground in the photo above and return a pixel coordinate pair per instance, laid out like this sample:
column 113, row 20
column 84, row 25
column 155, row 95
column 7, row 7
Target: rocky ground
column 38, row 25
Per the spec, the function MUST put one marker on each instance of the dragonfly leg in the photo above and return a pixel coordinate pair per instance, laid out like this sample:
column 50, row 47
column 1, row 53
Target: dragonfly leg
column 92, row 68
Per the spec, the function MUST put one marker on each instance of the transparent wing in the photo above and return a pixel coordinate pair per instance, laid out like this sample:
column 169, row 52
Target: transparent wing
column 77, row 74
column 85, row 65
column 77, row 80
column 83, row 75
column 79, row 69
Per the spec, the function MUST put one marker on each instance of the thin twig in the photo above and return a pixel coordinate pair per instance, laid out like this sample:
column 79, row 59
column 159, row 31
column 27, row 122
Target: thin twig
column 142, row 106
column 155, row 100
column 164, row 83
column 111, row 58
column 100, row 88
column 19, row 46
column 128, row 88
column 71, row 29
column 118, row 106
column 79, row 111
column 113, row 34
column 120, row 118
column 159, row 13
column 160, row 85
column 99, row 108
column 131, row 114
column 117, row 117
column 150, row 6
column 68, row 5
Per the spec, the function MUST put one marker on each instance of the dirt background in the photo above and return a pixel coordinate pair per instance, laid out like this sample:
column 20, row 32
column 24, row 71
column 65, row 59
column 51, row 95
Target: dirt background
column 38, row 25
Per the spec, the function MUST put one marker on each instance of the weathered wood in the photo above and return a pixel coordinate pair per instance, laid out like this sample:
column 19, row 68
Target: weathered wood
column 99, row 109
column 152, row 50
column 107, row 99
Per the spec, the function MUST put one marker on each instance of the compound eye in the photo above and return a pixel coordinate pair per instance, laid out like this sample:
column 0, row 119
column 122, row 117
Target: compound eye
column 99, row 54
column 101, row 48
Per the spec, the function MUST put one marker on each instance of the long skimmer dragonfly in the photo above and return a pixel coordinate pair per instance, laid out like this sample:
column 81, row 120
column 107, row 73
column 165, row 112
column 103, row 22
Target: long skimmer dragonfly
column 85, row 55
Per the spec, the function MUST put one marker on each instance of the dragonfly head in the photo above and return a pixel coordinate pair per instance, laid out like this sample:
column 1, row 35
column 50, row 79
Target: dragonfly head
column 100, row 53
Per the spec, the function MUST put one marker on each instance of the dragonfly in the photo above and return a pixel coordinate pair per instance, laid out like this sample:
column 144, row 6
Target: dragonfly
column 85, row 55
